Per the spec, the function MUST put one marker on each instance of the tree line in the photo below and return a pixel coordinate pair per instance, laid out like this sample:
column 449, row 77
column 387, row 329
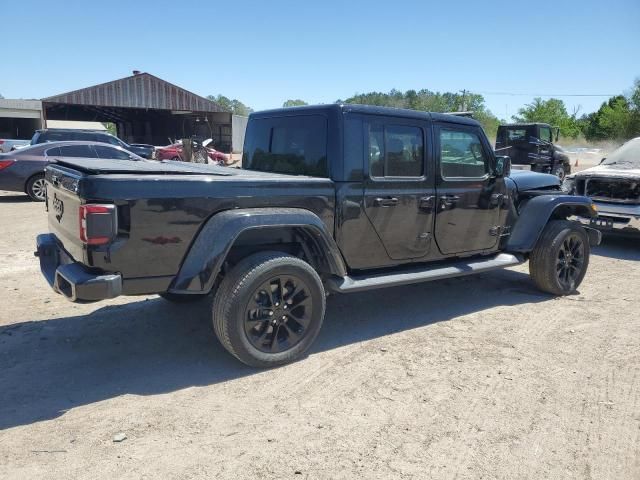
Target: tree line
column 617, row 119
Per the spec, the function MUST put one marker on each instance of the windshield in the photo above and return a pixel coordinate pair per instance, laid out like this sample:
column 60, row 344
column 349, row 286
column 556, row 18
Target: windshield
column 629, row 153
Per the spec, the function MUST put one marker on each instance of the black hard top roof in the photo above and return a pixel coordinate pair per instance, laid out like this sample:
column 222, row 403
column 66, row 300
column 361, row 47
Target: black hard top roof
column 367, row 109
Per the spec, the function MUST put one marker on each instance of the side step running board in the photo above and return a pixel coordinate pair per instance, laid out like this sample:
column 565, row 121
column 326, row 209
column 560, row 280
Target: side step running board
column 425, row 274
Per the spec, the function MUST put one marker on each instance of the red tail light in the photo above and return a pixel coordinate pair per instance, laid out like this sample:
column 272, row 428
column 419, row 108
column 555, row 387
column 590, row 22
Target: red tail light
column 5, row 163
column 97, row 223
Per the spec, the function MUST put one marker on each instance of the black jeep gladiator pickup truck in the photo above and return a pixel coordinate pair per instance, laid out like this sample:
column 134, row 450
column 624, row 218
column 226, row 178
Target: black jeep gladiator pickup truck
column 332, row 198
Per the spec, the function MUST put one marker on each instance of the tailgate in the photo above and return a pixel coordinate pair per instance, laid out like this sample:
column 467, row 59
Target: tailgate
column 62, row 205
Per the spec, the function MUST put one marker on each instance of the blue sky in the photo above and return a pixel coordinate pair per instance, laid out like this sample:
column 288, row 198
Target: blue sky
column 264, row 52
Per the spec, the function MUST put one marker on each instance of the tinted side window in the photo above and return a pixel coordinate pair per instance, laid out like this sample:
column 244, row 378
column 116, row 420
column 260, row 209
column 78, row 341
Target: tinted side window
column 104, row 151
column 517, row 134
column 376, row 151
column 77, row 151
column 294, row 145
column 545, row 134
column 109, row 139
column 462, row 155
column 52, row 152
column 396, row 151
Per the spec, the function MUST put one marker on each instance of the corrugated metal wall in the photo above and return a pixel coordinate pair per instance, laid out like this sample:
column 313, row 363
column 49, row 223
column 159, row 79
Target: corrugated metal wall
column 138, row 91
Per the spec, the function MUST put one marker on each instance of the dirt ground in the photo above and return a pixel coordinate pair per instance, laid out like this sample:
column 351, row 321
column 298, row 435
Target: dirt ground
column 477, row 377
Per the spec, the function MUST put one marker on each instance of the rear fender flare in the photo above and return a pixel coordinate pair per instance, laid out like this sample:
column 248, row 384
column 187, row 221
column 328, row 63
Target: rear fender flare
column 538, row 211
column 208, row 252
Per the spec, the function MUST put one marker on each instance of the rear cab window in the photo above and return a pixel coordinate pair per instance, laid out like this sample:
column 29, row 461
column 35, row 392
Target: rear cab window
column 295, row 145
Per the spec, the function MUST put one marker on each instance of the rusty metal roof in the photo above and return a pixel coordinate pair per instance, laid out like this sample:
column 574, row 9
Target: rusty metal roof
column 141, row 90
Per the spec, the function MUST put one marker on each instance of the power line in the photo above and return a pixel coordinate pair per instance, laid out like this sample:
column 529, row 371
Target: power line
column 511, row 94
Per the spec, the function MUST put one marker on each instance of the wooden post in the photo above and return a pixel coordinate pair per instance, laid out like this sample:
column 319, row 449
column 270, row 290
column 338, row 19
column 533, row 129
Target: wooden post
column 187, row 150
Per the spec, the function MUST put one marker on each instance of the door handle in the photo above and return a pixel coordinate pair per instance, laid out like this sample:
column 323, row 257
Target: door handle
column 448, row 201
column 385, row 202
column 426, row 203
column 496, row 199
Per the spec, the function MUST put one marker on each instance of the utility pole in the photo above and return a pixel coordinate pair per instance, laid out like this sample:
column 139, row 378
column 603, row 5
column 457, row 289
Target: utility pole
column 464, row 106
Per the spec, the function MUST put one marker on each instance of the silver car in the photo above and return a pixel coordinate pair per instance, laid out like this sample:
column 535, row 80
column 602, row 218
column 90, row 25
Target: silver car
column 23, row 170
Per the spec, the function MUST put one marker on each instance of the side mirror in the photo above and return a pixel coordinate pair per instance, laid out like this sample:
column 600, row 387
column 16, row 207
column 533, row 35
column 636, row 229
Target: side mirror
column 503, row 166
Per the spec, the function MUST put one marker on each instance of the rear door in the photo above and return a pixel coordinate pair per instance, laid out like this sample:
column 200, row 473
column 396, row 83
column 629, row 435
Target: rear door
column 399, row 193
column 469, row 197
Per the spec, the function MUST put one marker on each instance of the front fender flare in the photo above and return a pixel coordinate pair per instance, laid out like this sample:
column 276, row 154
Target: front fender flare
column 536, row 213
column 210, row 248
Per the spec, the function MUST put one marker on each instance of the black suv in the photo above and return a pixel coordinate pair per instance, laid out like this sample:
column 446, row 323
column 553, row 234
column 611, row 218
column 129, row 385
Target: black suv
column 332, row 198
column 532, row 144
column 68, row 134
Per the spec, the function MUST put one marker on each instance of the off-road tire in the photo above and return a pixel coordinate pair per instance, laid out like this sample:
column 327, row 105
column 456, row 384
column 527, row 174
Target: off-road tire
column 546, row 257
column 237, row 290
column 182, row 297
column 34, row 188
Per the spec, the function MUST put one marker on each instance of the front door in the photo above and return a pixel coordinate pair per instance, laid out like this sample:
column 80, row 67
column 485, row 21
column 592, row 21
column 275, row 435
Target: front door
column 399, row 195
column 545, row 147
column 469, row 196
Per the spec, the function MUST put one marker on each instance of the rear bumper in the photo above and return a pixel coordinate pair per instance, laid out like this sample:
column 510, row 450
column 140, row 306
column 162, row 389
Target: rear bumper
column 70, row 278
column 623, row 219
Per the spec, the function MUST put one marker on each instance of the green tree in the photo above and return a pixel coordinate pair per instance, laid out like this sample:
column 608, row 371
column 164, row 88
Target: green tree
column 234, row 106
column 111, row 128
column 614, row 120
column 553, row 112
column 294, row 103
column 617, row 119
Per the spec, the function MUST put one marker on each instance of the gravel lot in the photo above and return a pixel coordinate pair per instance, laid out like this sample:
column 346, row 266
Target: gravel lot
column 478, row 377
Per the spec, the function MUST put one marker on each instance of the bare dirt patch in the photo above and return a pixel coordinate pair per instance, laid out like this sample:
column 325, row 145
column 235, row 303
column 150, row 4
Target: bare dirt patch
column 477, row 377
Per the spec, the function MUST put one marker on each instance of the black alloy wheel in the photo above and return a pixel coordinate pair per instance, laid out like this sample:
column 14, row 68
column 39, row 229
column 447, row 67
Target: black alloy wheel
column 570, row 261
column 559, row 261
column 269, row 308
column 278, row 314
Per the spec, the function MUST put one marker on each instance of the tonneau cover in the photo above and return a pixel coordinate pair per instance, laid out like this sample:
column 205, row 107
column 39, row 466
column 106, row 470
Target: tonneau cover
column 104, row 165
